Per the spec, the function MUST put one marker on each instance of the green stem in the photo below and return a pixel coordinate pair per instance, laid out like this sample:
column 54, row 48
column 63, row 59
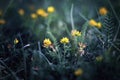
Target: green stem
column 71, row 16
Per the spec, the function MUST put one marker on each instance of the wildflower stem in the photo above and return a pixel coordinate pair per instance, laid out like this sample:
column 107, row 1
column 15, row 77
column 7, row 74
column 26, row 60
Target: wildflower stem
column 64, row 51
column 49, row 31
column 71, row 16
column 67, row 30
column 84, row 30
column 24, row 57
column 83, row 16
column 10, row 3
column 41, row 54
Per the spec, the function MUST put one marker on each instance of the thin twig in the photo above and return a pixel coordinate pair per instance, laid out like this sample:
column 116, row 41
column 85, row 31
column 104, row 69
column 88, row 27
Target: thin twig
column 14, row 75
column 3, row 78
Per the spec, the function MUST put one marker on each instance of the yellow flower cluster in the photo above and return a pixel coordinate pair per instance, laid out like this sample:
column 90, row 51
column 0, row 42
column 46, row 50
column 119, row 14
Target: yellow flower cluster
column 47, row 42
column 41, row 12
column 2, row 21
column 78, row 72
column 92, row 22
column 64, row 40
column 16, row 41
column 21, row 12
column 75, row 33
column 103, row 11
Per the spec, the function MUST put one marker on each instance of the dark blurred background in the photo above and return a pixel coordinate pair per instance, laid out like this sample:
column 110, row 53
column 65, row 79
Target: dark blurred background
column 17, row 24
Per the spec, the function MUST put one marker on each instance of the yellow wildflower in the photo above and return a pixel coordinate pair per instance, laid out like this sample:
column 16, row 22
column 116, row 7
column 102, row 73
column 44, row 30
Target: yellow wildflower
column 2, row 21
column 99, row 25
column 45, row 15
column 75, row 33
column 47, row 42
column 99, row 58
column 21, row 12
column 92, row 22
column 51, row 9
column 64, row 40
column 42, row 13
column 78, row 72
column 103, row 11
column 16, row 41
column 33, row 16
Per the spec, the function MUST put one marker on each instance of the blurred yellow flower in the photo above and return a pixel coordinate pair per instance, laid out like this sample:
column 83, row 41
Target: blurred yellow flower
column 64, row 40
column 78, row 72
column 33, row 16
column 103, row 11
column 21, row 12
column 51, row 9
column 45, row 15
column 92, row 22
column 16, row 41
column 99, row 25
column 99, row 58
column 75, row 33
column 47, row 42
column 2, row 21
column 42, row 13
